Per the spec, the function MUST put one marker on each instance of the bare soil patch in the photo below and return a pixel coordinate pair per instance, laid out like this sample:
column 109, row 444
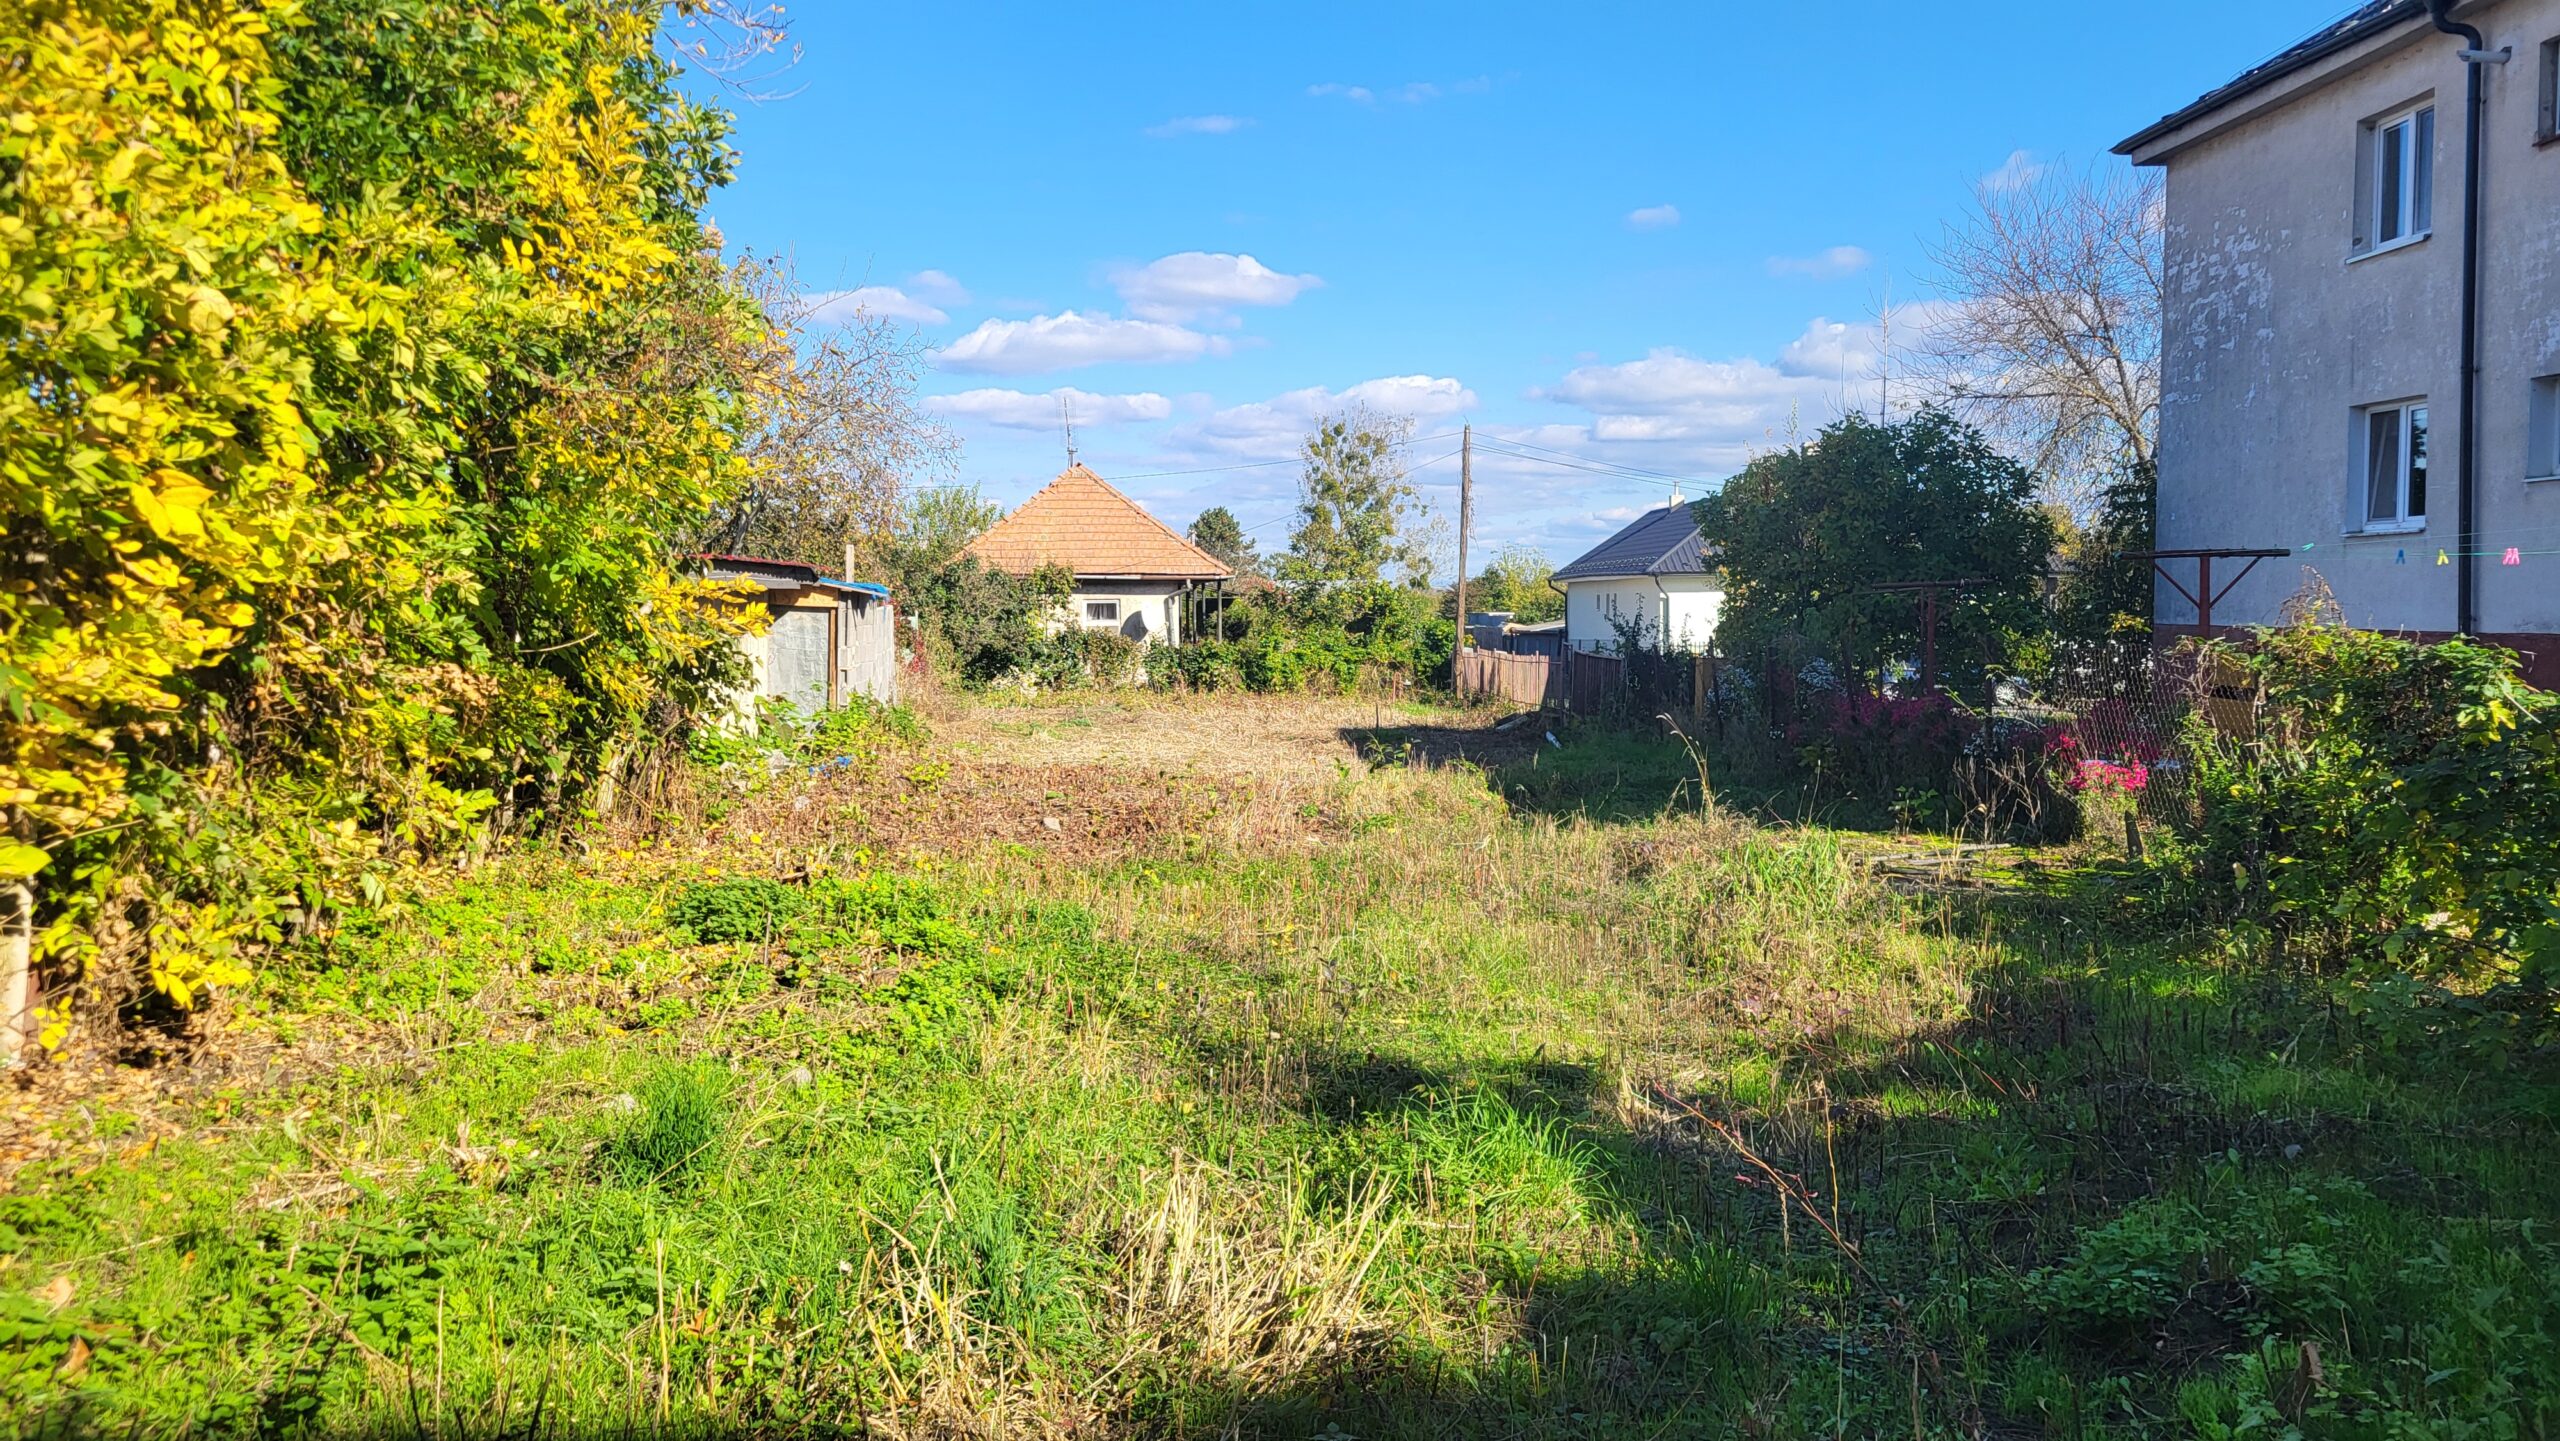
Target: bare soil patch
column 1249, row 736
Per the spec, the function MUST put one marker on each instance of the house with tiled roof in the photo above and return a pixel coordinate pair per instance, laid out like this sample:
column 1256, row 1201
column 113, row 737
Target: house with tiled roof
column 1132, row 571
column 1654, row 581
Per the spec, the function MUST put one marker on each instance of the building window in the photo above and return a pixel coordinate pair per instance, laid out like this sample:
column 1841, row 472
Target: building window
column 2395, row 181
column 2547, row 119
column 2391, row 466
column 2542, row 461
column 1107, row 611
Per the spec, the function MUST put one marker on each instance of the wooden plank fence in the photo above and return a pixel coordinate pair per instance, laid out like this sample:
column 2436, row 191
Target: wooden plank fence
column 1531, row 680
column 1576, row 681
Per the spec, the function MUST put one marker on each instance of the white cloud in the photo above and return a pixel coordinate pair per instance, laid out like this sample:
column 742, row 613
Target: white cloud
column 1413, row 92
column 2019, row 171
column 1830, row 264
column 1654, row 217
column 938, row 287
column 836, row 307
column 1198, row 125
column 1273, row 427
column 1713, row 413
column 1070, row 339
column 1024, row 410
column 1197, row 284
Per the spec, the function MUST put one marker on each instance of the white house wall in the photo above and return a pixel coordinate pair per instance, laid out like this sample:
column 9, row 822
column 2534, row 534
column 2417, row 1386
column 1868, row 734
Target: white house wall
column 2274, row 337
column 1681, row 608
column 1150, row 610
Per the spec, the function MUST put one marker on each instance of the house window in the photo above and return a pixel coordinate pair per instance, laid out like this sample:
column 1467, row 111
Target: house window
column 2391, row 466
column 2547, row 119
column 1102, row 611
column 2542, row 460
column 2395, row 181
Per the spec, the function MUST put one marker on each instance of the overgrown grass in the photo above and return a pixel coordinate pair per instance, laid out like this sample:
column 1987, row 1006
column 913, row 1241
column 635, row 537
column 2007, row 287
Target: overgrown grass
column 1474, row 1119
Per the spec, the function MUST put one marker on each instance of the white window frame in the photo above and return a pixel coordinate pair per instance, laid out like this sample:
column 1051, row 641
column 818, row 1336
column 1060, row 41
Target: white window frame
column 1102, row 612
column 2360, row 479
column 2542, row 430
column 2414, row 216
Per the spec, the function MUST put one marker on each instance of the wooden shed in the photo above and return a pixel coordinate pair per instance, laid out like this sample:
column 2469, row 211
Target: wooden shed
column 830, row 639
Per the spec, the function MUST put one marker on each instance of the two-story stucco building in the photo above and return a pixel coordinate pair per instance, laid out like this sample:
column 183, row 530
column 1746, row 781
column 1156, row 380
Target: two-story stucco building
column 2313, row 350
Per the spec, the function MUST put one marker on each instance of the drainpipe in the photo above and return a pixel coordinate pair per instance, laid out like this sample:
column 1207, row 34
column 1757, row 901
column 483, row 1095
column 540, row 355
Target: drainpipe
column 2475, row 54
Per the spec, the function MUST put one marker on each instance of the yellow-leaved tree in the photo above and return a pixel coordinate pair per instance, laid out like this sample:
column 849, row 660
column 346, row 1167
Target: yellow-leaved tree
column 366, row 362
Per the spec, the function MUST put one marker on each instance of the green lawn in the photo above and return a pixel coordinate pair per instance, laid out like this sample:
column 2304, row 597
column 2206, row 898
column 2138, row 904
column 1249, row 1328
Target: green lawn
column 1466, row 1108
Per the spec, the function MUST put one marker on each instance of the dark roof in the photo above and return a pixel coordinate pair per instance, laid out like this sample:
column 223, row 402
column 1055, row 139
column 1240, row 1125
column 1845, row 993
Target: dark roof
column 1659, row 542
column 2360, row 24
column 774, row 574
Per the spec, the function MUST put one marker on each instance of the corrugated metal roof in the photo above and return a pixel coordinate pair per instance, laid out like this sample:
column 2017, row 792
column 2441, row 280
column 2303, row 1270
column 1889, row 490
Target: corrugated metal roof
column 2361, row 23
column 1659, row 542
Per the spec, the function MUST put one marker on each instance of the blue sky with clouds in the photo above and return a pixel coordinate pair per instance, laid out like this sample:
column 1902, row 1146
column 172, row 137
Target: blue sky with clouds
column 1631, row 238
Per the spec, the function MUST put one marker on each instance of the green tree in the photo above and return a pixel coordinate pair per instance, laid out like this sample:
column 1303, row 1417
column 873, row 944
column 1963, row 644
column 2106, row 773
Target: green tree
column 1353, row 501
column 1516, row 580
column 933, row 527
column 2102, row 616
column 1809, row 532
column 364, row 366
column 1217, row 532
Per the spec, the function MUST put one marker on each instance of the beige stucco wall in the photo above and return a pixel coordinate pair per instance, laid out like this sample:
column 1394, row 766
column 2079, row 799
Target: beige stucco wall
column 1150, row 610
column 2274, row 335
column 1682, row 608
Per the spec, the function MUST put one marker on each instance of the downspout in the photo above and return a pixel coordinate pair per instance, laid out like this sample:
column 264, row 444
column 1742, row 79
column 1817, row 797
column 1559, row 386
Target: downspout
column 2475, row 54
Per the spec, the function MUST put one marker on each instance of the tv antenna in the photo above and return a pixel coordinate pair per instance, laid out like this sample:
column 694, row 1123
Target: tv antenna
column 1067, row 422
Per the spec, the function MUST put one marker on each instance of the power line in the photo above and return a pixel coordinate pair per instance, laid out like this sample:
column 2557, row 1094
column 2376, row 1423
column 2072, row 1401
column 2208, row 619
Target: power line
column 1603, row 468
column 1258, row 464
column 1633, row 470
column 1292, row 513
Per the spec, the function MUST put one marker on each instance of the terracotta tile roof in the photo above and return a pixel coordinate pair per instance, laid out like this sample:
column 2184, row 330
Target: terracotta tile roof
column 1083, row 524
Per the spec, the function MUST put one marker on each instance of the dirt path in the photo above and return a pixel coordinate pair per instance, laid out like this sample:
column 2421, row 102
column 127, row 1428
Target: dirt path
column 1257, row 737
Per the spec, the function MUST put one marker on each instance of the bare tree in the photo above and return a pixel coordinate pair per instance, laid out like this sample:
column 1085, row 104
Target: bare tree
column 839, row 439
column 740, row 43
column 2047, row 330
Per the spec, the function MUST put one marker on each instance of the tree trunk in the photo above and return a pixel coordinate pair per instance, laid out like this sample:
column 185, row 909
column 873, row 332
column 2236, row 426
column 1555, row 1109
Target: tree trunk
column 17, row 945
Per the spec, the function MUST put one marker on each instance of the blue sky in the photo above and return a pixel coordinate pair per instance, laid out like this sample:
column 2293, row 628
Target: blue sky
column 1639, row 238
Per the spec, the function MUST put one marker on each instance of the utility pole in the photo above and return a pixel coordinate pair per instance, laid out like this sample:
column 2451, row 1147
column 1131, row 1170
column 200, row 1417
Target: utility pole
column 1466, row 513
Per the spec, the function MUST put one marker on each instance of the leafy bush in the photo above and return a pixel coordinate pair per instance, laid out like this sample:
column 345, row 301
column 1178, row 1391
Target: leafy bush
column 739, row 909
column 1327, row 637
column 361, row 363
column 1882, row 746
column 2396, row 806
column 1808, row 534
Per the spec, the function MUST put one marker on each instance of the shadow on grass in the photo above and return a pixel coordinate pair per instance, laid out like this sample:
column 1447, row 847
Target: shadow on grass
column 1631, row 773
column 2117, row 1187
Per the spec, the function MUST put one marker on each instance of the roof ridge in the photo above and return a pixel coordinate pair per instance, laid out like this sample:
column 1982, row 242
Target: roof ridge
column 1058, row 521
column 1177, row 537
